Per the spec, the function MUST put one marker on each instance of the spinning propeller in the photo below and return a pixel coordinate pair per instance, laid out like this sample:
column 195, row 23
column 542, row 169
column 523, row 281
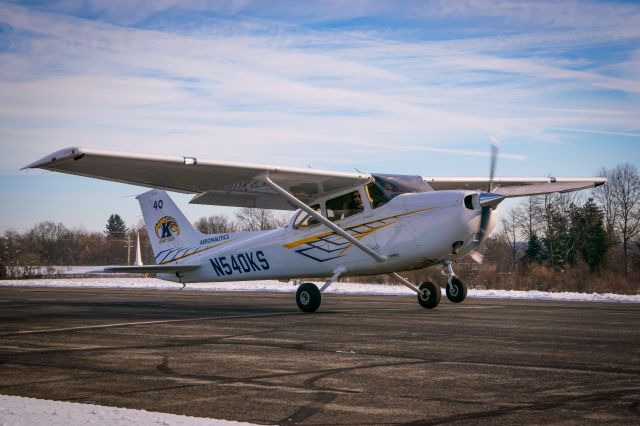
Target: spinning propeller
column 488, row 201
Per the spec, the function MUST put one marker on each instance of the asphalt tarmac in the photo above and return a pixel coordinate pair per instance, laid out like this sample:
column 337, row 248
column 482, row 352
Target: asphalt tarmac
column 359, row 360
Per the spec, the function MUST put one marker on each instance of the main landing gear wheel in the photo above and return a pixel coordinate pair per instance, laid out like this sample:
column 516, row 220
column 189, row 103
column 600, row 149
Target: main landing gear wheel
column 429, row 295
column 308, row 297
column 456, row 291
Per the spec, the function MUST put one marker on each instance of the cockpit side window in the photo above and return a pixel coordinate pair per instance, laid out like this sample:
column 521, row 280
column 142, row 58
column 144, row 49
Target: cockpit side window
column 381, row 191
column 305, row 220
column 344, row 206
column 377, row 197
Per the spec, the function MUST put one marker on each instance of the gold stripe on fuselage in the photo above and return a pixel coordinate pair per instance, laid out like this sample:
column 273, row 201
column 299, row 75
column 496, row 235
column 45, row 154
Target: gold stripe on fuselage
column 356, row 234
column 195, row 252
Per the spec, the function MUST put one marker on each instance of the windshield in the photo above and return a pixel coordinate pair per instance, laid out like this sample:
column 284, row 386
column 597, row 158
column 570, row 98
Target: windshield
column 385, row 187
column 400, row 184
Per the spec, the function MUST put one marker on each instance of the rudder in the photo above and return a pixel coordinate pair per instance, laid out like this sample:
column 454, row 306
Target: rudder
column 167, row 226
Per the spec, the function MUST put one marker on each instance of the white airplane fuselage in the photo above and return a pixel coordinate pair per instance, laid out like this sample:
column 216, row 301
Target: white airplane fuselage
column 412, row 230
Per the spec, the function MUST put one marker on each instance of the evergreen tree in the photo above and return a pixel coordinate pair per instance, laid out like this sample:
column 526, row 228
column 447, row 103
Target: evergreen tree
column 116, row 228
column 534, row 249
column 558, row 246
column 589, row 234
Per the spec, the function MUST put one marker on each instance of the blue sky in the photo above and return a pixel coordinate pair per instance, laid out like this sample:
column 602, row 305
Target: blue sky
column 415, row 87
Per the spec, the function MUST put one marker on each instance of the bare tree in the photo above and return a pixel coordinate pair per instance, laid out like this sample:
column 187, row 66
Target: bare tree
column 604, row 196
column 564, row 203
column 249, row 219
column 3, row 259
column 53, row 243
column 510, row 232
column 626, row 194
column 528, row 215
column 93, row 248
column 216, row 224
column 11, row 250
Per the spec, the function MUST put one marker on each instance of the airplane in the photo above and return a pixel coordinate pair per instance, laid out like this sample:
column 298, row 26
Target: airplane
column 345, row 224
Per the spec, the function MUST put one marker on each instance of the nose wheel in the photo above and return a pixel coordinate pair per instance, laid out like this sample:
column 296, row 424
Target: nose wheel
column 456, row 289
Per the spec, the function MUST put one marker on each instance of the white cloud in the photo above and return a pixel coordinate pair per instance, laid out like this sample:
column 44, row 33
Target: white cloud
column 249, row 94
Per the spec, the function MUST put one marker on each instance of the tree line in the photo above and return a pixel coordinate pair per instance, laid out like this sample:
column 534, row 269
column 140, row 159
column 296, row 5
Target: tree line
column 578, row 241
column 50, row 244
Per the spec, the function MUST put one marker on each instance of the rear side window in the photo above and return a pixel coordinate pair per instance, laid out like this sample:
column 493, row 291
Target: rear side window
column 305, row 220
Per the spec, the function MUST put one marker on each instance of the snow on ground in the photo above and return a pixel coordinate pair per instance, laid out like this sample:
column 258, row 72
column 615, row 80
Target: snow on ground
column 18, row 411
column 342, row 288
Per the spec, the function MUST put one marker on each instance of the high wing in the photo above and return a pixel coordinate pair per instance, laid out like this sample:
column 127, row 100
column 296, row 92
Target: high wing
column 214, row 182
column 233, row 184
column 515, row 186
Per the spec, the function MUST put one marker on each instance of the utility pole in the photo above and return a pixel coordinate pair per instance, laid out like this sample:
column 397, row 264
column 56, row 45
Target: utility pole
column 128, row 249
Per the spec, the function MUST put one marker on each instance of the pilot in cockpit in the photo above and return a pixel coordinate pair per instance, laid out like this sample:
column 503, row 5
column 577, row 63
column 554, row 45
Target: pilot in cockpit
column 353, row 205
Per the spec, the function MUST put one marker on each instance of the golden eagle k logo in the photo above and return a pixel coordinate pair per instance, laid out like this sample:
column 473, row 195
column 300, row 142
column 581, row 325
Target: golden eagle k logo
column 167, row 228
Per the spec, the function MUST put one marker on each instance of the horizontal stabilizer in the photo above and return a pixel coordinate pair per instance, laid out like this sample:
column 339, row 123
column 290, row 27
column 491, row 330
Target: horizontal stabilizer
column 148, row 269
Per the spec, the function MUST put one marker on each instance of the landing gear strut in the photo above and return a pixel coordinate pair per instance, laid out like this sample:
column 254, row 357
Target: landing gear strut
column 309, row 297
column 428, row 293
column 456, row 289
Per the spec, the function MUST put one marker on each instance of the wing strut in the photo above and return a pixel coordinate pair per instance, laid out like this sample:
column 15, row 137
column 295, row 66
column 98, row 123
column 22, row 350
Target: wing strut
column 296, row 202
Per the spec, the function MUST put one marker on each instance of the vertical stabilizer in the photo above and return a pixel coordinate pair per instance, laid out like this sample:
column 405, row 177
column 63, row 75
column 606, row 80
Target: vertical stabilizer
column 168, row 229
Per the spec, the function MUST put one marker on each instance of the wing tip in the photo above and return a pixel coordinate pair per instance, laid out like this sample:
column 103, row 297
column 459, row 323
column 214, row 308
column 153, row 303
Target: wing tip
column 57, row 157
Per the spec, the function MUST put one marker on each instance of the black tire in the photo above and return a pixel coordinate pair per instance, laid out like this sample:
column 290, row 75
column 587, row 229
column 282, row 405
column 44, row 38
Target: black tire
column 429, row 295
column 459, row 291
column 308, row 297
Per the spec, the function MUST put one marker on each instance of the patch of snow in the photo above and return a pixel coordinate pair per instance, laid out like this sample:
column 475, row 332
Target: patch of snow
column 75, row 269
column 339, row 288
column 17, row 411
